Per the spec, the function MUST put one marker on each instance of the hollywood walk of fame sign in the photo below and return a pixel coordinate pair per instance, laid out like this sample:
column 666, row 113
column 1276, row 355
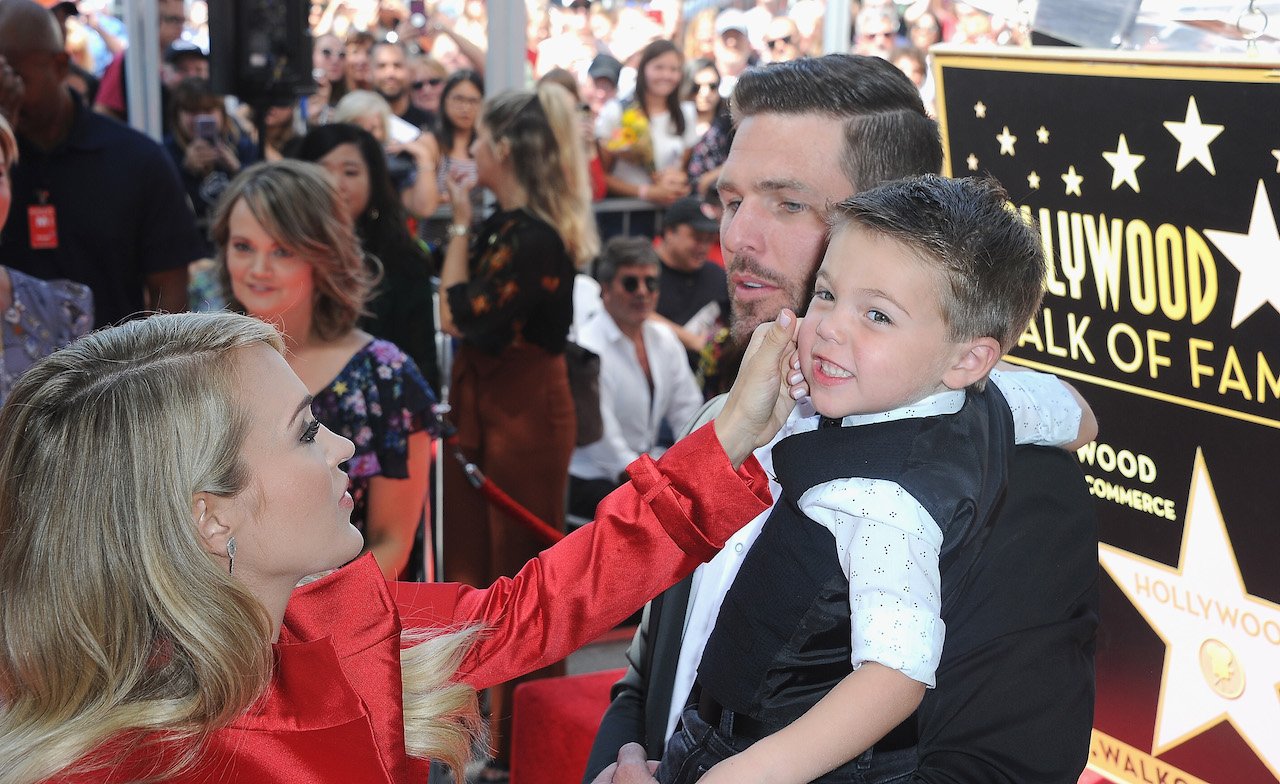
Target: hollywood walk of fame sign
column 1155, row 186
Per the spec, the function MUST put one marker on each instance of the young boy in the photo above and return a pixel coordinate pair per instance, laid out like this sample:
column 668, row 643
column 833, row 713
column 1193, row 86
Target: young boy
column 833, row 628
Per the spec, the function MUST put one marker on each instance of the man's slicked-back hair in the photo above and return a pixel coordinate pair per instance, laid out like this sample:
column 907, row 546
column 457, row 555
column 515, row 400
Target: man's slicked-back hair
column 887, row 133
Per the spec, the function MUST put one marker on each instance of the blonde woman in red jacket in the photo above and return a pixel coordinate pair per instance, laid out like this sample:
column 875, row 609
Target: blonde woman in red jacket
column 163, row 489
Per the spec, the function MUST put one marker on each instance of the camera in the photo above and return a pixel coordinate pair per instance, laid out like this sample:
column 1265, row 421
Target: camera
column 401, row 168
column 206, row 127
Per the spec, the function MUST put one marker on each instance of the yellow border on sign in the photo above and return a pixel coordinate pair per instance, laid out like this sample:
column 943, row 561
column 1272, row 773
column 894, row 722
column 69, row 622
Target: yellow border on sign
column 1090, row 62
column 1151, row 393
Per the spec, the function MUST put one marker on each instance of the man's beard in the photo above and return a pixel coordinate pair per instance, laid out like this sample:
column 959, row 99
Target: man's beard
column 744, row 317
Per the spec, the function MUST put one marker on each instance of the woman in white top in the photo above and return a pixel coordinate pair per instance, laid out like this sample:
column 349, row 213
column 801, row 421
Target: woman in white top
column 650, row 164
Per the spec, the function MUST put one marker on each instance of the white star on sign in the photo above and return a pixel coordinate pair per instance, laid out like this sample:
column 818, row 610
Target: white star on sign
column 1276, row 155
column 1193, row 138
column 1033, row 180
column 1124, row 165
column 1042, row 135
column 1257, row 256
column 972, row 160
column 980, row 110
column 1203, row 603
column 1006, row 140
column 1072, row 181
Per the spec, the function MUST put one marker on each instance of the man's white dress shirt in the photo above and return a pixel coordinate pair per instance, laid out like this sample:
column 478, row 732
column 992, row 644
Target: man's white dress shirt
column 632, row 413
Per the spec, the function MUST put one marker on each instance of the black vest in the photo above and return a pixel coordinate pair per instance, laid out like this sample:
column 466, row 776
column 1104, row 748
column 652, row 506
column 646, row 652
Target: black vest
column 782, row 638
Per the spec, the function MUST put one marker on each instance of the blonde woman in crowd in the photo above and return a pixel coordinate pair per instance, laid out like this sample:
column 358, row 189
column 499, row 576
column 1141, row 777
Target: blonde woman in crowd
column 508, row 287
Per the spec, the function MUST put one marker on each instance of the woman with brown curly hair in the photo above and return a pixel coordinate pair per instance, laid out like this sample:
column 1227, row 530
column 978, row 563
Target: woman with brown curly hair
column 289, row 254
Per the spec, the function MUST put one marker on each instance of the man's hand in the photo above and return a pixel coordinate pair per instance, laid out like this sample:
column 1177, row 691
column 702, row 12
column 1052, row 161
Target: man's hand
column 766, row 389
column 631, row 768
column 11, row 92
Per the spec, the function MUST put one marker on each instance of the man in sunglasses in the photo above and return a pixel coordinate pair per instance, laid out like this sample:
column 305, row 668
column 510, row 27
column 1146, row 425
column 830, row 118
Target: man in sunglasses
column 645, row 378
column 1014, row 695
column 782, row 40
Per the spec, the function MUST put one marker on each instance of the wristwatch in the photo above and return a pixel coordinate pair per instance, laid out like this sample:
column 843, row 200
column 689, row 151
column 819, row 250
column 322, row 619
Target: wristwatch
column 459, row 229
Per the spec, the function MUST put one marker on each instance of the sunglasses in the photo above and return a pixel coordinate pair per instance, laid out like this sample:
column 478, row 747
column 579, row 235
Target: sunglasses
column 333, row 53
column 433, row 82
column 631, row 283
column 775, row 43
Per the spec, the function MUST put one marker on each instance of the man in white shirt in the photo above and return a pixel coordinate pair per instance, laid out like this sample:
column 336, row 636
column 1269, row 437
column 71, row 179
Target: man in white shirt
column 645, row 378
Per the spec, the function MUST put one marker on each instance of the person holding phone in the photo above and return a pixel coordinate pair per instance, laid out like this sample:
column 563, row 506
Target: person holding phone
column 207, row 147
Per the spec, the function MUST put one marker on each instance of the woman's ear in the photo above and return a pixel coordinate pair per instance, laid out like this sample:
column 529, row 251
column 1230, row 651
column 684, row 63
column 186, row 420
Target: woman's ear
column 212, row 531
column 973, row 360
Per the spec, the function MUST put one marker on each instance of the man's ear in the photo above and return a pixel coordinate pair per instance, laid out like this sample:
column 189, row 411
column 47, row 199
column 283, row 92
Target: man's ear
column 61, row 65
column 971, row 363
column 212, row 531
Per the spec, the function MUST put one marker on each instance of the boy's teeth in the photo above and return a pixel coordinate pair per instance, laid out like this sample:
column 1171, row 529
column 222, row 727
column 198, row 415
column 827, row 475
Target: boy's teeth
column 834, row 371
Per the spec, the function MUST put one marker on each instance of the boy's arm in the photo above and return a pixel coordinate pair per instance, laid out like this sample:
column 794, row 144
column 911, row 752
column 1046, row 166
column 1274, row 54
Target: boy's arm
column 834, row 731
column 1047, row 411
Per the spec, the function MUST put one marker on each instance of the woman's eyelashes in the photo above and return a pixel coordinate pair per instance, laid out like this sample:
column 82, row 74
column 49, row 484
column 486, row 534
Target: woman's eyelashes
column 309, row 435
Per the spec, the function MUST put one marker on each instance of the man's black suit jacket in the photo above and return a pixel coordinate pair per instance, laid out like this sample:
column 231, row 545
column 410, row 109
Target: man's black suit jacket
column 1015, row 686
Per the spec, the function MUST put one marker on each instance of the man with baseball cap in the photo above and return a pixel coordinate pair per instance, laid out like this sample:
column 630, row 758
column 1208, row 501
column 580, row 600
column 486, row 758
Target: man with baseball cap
column 602, row 93
column 693, row 292
column 733, row 50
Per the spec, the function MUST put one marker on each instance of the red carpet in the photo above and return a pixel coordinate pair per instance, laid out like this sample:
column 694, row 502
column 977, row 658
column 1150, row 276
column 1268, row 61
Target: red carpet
column 553, row 724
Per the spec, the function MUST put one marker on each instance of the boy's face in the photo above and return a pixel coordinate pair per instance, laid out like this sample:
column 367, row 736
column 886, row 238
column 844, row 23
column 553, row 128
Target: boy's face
column 874, row 338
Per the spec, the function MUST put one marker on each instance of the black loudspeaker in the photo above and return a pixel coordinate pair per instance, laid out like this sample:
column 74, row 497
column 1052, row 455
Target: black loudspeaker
column 260, row 50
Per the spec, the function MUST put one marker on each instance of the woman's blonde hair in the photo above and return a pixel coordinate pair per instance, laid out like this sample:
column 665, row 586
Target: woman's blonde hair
column 546, row 152
column 360, row 103
column 114, row 622
column 297, row 206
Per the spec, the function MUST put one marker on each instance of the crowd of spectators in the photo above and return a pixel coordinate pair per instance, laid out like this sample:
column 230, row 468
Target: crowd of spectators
column 409, row 55
column 413, row 147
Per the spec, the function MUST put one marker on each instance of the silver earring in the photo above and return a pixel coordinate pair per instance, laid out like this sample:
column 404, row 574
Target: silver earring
column 231, row 555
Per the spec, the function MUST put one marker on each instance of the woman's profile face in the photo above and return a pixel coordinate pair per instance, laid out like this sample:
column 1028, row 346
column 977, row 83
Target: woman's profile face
column 662, row 74
column 462, row 104
column 295, row 517
column 269, row 279
column 486, row 157
column 349, row 173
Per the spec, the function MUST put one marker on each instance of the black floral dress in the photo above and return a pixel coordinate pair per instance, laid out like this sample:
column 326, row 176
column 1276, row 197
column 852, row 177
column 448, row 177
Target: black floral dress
column 378, row 400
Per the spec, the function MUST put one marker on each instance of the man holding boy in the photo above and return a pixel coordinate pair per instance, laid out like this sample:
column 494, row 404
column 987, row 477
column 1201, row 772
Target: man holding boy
column 1014, row 694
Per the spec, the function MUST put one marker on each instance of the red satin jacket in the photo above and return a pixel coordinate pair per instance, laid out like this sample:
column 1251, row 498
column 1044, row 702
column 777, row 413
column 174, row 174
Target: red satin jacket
column 333, row 710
